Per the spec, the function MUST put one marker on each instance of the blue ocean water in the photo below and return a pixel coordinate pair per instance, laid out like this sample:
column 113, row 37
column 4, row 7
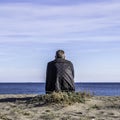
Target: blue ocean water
column 100, row 89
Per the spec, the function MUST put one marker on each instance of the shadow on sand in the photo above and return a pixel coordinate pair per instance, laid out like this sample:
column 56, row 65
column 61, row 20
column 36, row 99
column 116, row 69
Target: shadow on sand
column 15, row 99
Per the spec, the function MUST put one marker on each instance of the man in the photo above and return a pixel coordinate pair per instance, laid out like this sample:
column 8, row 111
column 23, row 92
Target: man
column 60, row 74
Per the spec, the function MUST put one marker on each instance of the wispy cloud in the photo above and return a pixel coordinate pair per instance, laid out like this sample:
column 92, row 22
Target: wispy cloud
column 31, row 31
column 21, row 75
column 42, row 23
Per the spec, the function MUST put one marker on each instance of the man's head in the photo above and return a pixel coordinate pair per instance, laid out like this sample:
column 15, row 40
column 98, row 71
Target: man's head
column 60, row 54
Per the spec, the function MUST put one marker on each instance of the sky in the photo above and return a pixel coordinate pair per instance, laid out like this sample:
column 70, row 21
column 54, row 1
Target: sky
column 32, row 30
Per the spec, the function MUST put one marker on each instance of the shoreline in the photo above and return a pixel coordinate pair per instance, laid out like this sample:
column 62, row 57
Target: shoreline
column 12, row 107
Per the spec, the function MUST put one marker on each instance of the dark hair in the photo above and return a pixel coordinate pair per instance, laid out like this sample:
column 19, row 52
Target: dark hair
column 60, row 54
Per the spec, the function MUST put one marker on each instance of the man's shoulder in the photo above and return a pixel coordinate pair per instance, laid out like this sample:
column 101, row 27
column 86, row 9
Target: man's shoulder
column 68, row 61
column 54, row 61
column 51, row 62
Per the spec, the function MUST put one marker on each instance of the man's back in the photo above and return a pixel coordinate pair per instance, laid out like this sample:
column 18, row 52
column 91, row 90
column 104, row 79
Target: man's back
column 60, row 76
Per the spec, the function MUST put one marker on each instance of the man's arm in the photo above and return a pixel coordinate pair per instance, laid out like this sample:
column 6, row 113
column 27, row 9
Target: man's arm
column 72, row 68
column 48, row 79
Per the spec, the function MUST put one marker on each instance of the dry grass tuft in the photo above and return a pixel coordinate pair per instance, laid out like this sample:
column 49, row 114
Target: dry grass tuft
column 60, row 98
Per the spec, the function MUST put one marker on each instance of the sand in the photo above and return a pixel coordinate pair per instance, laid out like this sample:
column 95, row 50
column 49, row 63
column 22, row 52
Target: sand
column 13, row 107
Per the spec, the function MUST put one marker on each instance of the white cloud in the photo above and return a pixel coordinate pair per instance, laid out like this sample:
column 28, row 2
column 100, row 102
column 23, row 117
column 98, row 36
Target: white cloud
column 31, row 22
column 22, row 75
column 92, row 22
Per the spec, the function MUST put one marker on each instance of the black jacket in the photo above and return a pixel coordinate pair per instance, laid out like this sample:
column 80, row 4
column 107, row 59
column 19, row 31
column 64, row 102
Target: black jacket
column 59, row 76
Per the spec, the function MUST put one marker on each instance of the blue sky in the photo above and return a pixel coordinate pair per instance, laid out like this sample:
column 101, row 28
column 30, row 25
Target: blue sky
column 87, row 30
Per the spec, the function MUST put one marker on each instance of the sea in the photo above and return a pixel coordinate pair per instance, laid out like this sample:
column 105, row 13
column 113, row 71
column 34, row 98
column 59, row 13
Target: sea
column 98, row 89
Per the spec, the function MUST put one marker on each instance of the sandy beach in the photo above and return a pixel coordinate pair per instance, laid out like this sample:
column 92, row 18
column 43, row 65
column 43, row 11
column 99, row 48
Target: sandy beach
column 13, row 107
